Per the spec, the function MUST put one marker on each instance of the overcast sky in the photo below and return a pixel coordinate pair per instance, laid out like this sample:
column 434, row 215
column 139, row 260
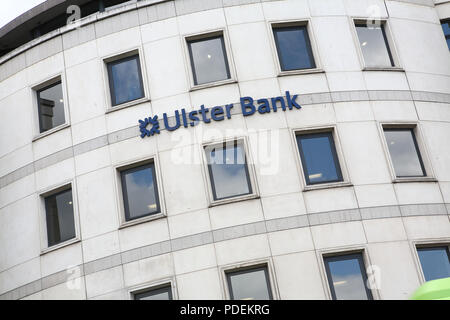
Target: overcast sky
column 10, row 9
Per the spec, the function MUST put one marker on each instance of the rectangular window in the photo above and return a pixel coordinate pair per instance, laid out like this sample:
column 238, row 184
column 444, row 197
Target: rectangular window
column 404, row 152
column 435, row 262
column 294, row 48
column 50, row 106
column 374, row 45
column 446, row 29
column 249, row 284
column 228, row 170
column 319, row 158
column 125, row 80
column 347, row 277
column 140, row 191
column 59, row 217
column 160, row 293
column 209, row 60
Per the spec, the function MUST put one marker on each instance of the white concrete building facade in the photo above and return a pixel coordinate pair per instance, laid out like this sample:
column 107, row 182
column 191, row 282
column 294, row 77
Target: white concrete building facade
column 282, row 222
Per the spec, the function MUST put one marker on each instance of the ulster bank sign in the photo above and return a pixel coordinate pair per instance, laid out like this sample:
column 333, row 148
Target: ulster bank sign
column 150, row 126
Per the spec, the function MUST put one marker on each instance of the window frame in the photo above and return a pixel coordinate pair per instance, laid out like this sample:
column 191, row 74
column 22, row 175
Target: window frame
column 106, row 61
column 420, row 147
column 271, row 25
column 246, row 266
column 41, row 196
column 154, row 285
column 446, row 37
column 250, row 172
column 339, row 154
column 389, row 40
column 196, row 37
column 134, row 164
column 428, row 243
column 40, row 86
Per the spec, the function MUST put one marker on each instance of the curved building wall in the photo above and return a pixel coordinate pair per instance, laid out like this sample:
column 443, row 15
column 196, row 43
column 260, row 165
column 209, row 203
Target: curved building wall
column 285, row 224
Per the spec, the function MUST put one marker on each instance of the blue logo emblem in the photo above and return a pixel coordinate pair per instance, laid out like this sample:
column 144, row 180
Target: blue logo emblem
column 143, row 126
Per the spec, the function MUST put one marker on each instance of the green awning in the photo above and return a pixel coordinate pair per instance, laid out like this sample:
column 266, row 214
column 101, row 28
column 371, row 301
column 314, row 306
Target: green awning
column 433, row 290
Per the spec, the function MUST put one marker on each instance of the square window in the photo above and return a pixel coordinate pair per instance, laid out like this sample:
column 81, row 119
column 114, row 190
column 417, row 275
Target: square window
column 404, row 152
column 374, row 45
column 125, row 80
column 294, row 48
column 160, row 293
column 228, row 170
column 50, row 106
column 140, row 191
column 446, row 29
column 347, row 277
column 319, row 158
column 208, row 60
column 435, row 262
column 59, row 217
column 249, row 284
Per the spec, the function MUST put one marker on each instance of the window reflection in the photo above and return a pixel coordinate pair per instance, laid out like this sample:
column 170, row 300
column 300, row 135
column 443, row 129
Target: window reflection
column 435, row 262
column 404, row 153
column 59, row 217
column 164, row 293
column 347, row 277
column 228, row 170
column 374, row 45
column 294, row 48
column 250, row 284
column 140, row 192
column 209, row 60
column 446, row 29
column 51, row 107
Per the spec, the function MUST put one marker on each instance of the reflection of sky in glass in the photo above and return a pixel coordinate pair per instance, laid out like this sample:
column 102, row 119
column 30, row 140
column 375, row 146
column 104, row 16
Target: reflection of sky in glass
column 209, row 61
column 251, row 285
column 60, row 221
column 140, row 192
column 403, row 152
column 446, row 28
column 435, row 262
column 51, row 107
column 347, row 279
column 157, row 294
column 318, row 158
column 126, row 79
column 294, row 48
column 374, row 46
column 229, row 172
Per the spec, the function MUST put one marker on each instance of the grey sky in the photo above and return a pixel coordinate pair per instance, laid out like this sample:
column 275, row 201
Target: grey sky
column 10, row 9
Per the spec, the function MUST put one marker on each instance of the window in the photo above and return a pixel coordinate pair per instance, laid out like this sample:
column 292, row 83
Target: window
column 293, row 47
column 228, row 170
column 59, row 217
column 404, row 151
column 347, row 277
column 319, row 158
column 140, row 191
column 435, row 262
column 374, row 45
column 50, row 106
column 160, row 293
column 208, row 59
column 249, row 284
column 446, row 29
column 125, row 80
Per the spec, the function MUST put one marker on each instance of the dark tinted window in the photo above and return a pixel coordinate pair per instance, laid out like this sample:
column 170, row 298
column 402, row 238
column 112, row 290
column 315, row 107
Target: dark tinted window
column 250, row 284
column 59, row 215
column 51, row 107
column 435, row 262
column 125, row 80
column 446, row 29
column 347, row 277
column 374, row 45
column 404, row 152
column 164, row 293
column 140, row 192
column 228, row 170
column 294, row 48
column 209, row 60
column 319, row 158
